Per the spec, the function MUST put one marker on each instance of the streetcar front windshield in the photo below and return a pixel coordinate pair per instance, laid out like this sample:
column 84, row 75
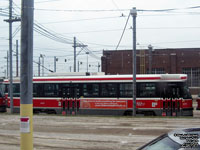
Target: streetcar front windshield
column 186, row 92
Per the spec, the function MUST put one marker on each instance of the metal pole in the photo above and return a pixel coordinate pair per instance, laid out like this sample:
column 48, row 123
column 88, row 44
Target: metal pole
column 39, row 67
column 74, row 54
column 7, row 63
column 133, row 12
column 17, row 66
column 43, row 65
column 10, row 56
column 98, row 66
column 87, row 60
column 150, row 59
column 55, row 63
column 26, row 86
column 78, row 66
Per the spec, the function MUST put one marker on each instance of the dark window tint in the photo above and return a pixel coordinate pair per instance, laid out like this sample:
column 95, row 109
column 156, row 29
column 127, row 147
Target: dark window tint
column 16, row 90
column 1, row 90
column 90, row 90
column 38, row 90
column 109, row 90
column 51, row 90
column 126, row 90
column 147, row 90
column 174, row 90
column 70, row 90
column 6, row 88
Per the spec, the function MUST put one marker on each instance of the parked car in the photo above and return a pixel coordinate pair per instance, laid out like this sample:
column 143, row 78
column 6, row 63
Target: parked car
column 181, row 139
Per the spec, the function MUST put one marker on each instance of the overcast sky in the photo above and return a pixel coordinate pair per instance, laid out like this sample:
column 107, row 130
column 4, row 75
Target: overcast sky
column 99, row 24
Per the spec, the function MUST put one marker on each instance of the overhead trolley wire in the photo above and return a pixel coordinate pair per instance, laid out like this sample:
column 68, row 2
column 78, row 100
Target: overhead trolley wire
column 50, row 35
column 123, row 32
column 47, row 1
column 86, row 19
column 118, row 10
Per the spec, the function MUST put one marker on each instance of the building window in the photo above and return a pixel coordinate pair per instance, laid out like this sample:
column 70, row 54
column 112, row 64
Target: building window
column 157, row 71
column 193, row 75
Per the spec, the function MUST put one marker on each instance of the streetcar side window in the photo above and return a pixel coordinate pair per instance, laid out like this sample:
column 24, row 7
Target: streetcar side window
column 38, row 90
column 109, row 90
column 1, row 90
column 77, row 90
column 16, row 90
column 147, row 90
column 6, row 88
column 51, row 90
column 126, row 89
column 90, row 90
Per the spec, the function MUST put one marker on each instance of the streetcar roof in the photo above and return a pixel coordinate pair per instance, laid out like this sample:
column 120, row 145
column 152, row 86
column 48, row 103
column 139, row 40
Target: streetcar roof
column 111, row 78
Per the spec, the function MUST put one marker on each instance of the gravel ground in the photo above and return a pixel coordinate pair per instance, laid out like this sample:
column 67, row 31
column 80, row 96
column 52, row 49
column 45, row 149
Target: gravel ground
column 90, row 133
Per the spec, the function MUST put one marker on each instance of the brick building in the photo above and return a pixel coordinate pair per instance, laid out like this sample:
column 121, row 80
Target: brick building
column 172, row 61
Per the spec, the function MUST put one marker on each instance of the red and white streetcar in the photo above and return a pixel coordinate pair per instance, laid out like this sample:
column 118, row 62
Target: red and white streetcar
column 2, row 98
column 160, row 95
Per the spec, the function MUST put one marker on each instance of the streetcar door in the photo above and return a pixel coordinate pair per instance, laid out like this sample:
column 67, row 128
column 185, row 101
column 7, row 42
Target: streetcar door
column 166, row 100
column 169, row 107
column 178, row 113
column 164, row 107
column 65, row 99
column 71, row 102
column 170, row 95
column 75, row 98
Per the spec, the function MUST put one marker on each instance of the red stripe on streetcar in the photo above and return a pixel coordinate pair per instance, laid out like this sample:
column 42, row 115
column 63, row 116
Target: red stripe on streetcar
column 94, row 79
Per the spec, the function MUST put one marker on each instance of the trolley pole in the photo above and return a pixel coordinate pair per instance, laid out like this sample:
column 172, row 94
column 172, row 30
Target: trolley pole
column 55, row 60
column 75, row 54
column 78, row 66
column 133, row 13
column 87, row 59
column 39, row 67
column 26, row 90
column 98, row 66
column 17, row 59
